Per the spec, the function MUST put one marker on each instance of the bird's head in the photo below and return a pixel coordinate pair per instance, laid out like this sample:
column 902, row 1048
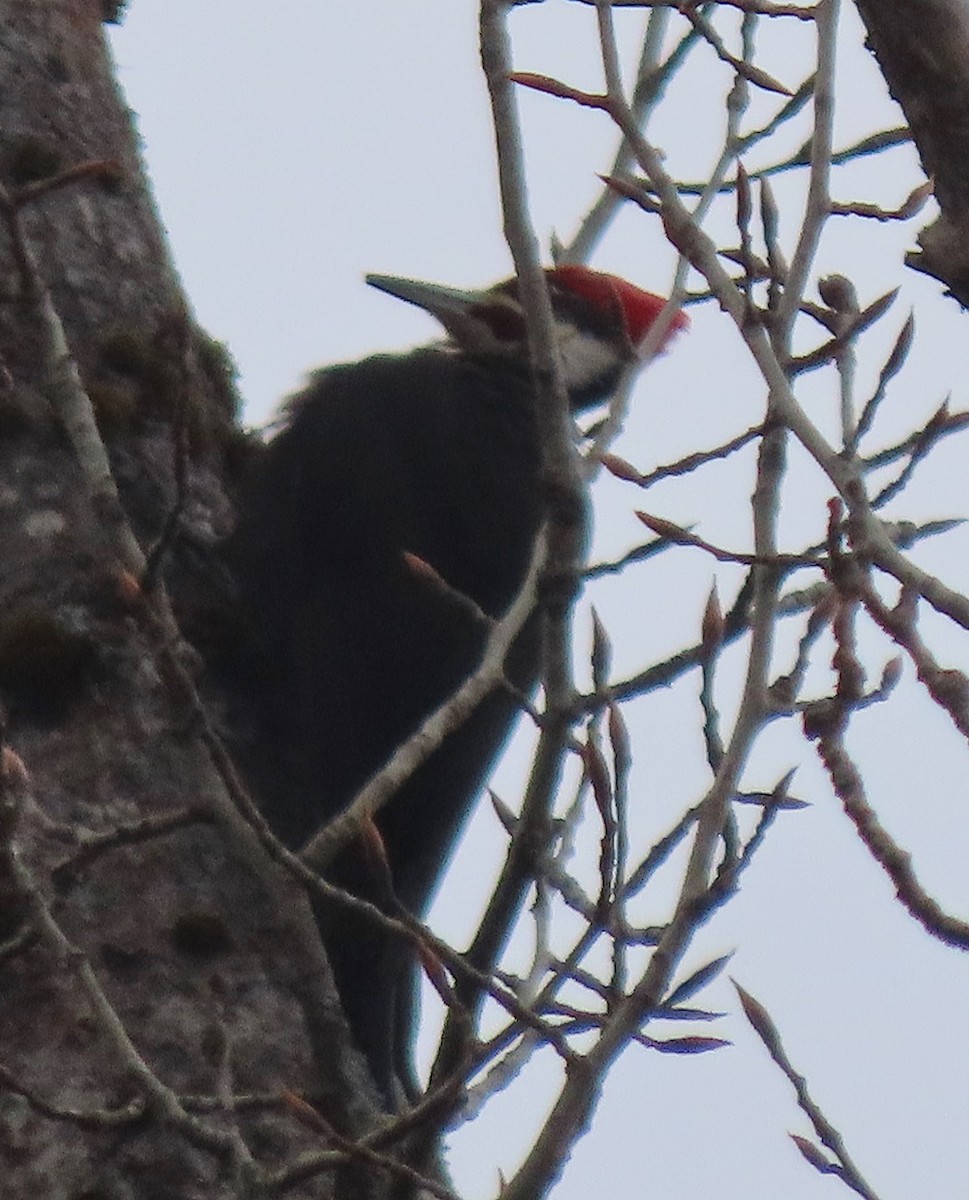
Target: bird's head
column 600, row 320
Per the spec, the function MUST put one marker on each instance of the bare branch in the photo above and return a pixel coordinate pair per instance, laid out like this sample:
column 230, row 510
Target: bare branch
column 766, row 1030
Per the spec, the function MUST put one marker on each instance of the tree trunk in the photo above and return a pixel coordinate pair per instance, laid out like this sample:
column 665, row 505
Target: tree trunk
column 922, row 48
column 138, row 903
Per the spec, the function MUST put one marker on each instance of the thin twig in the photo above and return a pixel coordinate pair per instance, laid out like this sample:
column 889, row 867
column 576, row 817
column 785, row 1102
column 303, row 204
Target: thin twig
column 766, row 1030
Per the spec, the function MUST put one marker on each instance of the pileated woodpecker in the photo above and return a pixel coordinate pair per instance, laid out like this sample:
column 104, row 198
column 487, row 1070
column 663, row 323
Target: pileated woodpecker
column 433, row 452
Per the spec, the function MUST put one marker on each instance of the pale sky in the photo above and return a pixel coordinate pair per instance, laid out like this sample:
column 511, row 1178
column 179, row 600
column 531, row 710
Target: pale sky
column 296, row 146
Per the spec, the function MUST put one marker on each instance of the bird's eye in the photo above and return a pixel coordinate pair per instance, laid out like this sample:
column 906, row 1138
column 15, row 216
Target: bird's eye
column 505, row 320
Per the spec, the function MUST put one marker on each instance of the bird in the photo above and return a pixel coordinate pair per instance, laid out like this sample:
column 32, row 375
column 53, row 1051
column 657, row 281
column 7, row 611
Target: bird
column 432, row 453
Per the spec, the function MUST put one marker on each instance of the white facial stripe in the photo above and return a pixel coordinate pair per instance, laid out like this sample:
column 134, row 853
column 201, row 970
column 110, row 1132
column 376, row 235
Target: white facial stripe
column 585, row 358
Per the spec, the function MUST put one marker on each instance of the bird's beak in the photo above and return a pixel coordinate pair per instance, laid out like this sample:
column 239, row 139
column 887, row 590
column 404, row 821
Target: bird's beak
column 451, row 306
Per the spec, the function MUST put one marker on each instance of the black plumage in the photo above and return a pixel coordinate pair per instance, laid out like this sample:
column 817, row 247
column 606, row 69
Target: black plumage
column 435, row 453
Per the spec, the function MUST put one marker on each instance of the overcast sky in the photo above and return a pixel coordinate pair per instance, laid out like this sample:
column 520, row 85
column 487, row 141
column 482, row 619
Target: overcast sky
column 296, row 146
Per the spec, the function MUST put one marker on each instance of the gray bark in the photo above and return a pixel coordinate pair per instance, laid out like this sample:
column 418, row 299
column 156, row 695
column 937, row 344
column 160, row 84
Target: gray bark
column 922, row 47
column 184, row 937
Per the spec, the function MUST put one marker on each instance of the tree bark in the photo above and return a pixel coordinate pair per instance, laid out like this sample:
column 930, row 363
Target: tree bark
column 137, row 902
column 922, row 47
